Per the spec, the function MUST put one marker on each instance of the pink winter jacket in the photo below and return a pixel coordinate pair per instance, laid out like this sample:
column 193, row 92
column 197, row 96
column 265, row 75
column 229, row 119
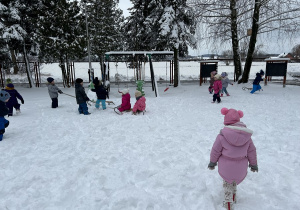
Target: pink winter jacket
column 233, row 149
column 217, row 86
column 125, row 102
column 140, row 105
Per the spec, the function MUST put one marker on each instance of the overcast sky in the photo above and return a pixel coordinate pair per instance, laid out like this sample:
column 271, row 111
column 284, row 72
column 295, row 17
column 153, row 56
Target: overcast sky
column 124, row 5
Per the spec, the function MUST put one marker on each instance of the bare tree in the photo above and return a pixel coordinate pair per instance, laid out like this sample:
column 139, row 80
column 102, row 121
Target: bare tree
column 296, row 51
column 222, row 22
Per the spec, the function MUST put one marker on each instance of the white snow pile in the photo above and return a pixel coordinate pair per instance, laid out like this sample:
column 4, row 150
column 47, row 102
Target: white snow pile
column 57, row 159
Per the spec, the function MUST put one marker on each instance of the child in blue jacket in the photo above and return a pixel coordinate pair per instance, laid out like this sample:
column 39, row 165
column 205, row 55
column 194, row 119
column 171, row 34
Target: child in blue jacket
column 4, row 97
column 256, row 85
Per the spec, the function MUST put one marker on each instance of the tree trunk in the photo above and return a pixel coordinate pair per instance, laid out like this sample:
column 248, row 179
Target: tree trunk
column 63, row 71
column 14, row 61
column 176, row 68
column 251, row 48
column 27, row 66
column 102, row 68
column 235, row 41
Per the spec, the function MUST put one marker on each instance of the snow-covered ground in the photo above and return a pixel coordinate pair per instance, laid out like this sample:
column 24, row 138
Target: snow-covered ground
column 56, row 159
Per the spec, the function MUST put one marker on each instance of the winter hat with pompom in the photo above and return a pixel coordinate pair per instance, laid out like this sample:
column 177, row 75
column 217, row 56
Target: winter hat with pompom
column 218, row 77
column 125, row 91
column 137, row 93
column 231, row 116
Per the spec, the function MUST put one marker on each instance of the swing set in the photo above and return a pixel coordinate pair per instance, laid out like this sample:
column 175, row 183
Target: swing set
column 136, row 60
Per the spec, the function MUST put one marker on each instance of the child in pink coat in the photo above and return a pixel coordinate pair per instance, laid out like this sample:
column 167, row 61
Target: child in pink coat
column 233, row 149
column 140, row 104
column 125, row 102
column 217, row 88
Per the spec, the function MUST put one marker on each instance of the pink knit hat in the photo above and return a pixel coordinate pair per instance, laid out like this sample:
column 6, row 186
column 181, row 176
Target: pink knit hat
column 231, row 116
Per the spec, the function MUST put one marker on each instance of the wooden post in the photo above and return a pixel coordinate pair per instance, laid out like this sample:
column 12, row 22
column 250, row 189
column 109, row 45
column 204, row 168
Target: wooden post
column 201, row 78
column 2, row 82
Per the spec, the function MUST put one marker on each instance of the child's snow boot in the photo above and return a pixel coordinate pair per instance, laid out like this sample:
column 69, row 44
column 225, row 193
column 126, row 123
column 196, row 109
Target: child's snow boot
column 228, row 94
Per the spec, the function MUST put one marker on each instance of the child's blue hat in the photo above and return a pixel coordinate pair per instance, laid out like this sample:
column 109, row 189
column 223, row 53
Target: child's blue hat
column 4, row 95
column 50, row 79
column 262, row 72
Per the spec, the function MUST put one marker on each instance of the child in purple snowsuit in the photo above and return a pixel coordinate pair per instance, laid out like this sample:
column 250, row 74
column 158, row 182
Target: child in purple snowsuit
column 233, row 149
column 13, row 102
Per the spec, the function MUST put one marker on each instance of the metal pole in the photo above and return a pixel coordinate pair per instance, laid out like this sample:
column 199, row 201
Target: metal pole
column 91, row 70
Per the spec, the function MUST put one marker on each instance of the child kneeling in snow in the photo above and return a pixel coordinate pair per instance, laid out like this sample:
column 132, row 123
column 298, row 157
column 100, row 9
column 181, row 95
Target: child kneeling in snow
column 125, row 102
column 233, row 149
column 140, row 104
column 13, row 102
column 4, row 97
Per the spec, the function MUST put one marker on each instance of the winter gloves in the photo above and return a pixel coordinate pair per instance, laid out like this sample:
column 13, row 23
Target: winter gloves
column 211, row 165
column 22, row 101
column 60, row 91
column 254, row 168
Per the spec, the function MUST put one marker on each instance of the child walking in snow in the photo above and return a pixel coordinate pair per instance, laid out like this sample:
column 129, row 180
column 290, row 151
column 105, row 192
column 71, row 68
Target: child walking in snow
column 81, row 97
column 211, row 82
column 101, row 93
column 125, row 102
column 53, row 92
column 233, row 149
column 140, row 104
column 225, row 82
column 13, row 102
column 217, row 88
column 4, row 97
column 258, row 78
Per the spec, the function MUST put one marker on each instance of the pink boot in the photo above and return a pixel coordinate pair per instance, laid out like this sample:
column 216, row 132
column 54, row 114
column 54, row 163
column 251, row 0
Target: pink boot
column 228, row 94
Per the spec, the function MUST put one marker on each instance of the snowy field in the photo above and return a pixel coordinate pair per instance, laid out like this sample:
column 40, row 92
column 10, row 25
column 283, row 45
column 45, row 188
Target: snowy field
column 56, row 159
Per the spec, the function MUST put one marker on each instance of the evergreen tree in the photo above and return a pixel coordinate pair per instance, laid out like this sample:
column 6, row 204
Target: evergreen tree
column 104, row 25
column 61, row 33
column 18, row 20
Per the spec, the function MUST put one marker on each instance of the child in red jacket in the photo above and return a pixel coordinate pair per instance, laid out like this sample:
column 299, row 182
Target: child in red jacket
column 140, row 104
column 125, row 102
column 217, row 88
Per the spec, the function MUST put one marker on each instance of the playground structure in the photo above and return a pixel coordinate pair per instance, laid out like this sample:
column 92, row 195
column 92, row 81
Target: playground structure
column 206, row 67
column 136, row 60
column 276, row 67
